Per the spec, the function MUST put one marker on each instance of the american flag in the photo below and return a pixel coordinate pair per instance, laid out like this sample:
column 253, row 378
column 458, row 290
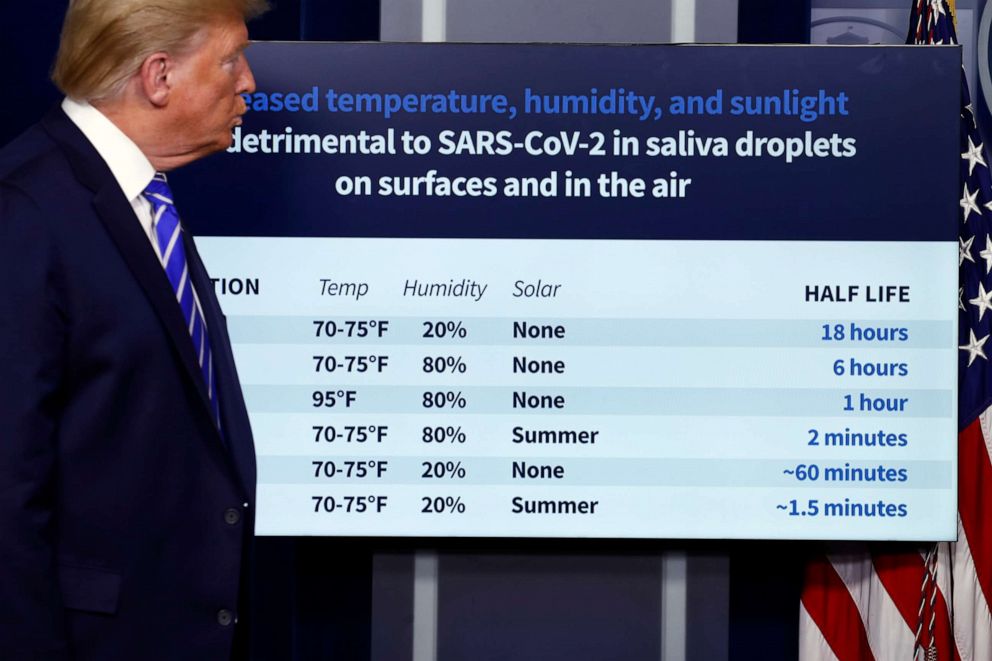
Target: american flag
column 931, row 602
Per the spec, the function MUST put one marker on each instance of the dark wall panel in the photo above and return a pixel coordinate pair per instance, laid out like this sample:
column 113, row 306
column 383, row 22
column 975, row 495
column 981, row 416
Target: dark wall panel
column 29, row 37
column 765, row 586
column 341, row 20
column 281, row 23
column 549, row 607
column 773, row 21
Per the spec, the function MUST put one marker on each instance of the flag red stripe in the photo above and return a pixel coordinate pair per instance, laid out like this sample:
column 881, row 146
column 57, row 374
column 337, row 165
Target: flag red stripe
column 834, row 612
column 902, row 576
column 974, row 485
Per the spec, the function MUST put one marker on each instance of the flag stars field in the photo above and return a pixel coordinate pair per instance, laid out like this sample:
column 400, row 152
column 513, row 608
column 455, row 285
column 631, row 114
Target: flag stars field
column 974, row 157
column 964, row 250
column 974, row 348
column 987, row 254
column 983, row 301
column 969, row 203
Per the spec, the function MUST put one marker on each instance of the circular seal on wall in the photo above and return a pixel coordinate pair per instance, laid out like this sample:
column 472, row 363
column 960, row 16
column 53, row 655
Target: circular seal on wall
column 984, row 52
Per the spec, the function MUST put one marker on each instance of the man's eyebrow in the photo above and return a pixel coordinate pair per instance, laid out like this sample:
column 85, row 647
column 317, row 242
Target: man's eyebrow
column 237, row 50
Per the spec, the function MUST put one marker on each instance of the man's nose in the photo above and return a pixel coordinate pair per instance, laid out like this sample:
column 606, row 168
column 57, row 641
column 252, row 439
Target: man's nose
column 246, row 83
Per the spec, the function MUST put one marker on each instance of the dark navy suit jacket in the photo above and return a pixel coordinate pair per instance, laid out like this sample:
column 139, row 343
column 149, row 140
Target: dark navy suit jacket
column 124, row 514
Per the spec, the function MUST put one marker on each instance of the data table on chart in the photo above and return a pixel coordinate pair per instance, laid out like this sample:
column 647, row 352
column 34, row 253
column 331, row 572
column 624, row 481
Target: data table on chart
column 597, row 388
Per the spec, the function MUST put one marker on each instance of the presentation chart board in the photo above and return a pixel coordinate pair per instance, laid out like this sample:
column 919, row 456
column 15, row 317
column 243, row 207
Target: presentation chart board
column 577, row 291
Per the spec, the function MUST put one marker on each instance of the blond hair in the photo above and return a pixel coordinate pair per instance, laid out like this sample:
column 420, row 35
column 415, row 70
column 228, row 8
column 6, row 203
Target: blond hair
column 104, row 42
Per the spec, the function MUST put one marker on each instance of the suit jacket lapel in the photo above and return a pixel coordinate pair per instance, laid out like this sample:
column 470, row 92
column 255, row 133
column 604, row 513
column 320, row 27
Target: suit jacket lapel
column 234, row 421
column 118, row 217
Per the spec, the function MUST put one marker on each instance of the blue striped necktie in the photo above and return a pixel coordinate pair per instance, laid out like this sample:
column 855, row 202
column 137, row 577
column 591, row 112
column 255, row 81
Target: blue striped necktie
column 172, row 254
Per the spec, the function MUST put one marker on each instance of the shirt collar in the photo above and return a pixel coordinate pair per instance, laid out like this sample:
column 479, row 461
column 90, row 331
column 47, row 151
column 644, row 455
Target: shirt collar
column 130, row 167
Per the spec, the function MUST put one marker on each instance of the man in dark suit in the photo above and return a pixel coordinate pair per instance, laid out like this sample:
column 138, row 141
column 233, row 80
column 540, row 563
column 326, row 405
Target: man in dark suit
column 127, row 471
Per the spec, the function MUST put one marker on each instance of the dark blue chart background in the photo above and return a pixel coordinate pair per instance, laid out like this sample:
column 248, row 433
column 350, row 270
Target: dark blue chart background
column 901, row 185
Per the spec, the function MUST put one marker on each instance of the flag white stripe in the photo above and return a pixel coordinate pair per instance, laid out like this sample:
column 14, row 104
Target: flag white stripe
column 944, row 581
column 888, row 635
column 972, row 620
column 812, row 644
column 985, row 419
column 972, row 590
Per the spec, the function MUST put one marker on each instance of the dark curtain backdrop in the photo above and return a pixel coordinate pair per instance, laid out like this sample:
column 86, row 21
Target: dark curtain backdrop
column 315, row 595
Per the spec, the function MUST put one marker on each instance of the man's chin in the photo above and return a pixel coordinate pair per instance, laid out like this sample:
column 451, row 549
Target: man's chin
column 226, row 140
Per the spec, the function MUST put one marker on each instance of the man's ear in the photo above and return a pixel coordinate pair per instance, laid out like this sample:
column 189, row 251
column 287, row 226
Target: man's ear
column 155, row 78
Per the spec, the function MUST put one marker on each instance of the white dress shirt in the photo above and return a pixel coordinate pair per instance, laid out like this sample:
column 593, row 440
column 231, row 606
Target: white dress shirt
column 130, row 167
